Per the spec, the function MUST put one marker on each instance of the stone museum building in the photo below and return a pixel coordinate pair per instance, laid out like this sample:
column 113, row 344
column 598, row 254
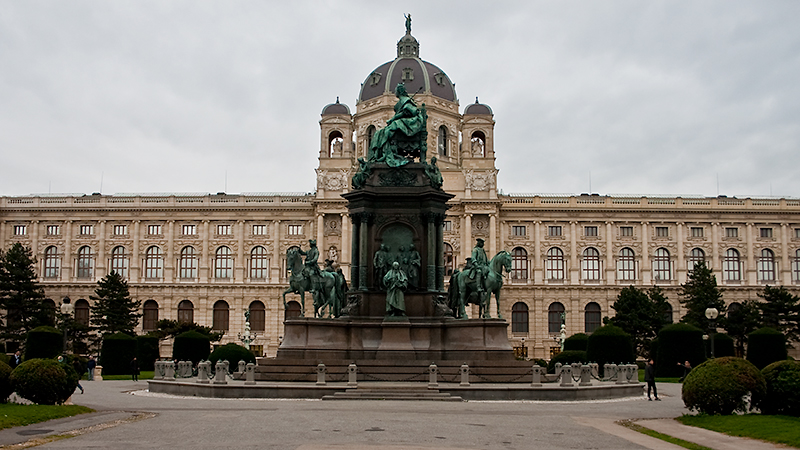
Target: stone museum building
column 208, row 258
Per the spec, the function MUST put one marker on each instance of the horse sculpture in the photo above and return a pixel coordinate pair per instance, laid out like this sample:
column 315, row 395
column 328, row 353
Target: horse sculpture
column 463, row 290
column 328, row 291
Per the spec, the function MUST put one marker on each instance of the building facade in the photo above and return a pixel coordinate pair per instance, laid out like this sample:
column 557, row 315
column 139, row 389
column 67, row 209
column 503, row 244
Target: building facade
column 208, row 258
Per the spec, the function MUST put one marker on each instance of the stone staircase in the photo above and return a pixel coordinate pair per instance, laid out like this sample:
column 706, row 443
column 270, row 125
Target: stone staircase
column 393, row 392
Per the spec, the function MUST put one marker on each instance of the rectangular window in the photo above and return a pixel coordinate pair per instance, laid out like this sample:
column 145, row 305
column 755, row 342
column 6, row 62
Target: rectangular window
column 154, row 230
column 19, row 230
column 120, row 230
column 518, row 230
column 223, row 230
column 86, row 230
column 554, row 231
column 626, row 231
column 259, row 230
column 731, row 232
column 447, row 225
column 797, row 232
column 662, row 231
column 590, row 231
column 295, row 230
column 697, row 231
column 766, row 232
column 53, row 230
column 188, row 230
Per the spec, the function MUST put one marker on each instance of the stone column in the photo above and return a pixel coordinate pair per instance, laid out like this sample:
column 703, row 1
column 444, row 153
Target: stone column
column 35, row 244
column 321, row 235
column 492, row 235
column 681, row 269
column 354, row 241
column 206, row 232
column 785, row 267
column 344, row 258
column 467, row 245
column 646, row 265
column 276, row 257
column 102, row 263
column 2, row 234
column 538, row 275
column 363, row 258
column 431, row 257
column 66, row 268
column 714, row 263
column 749, row 275
column 574, row 265
column 169, row 254
column 440, row 252
column 239, row 264
column 611, row 269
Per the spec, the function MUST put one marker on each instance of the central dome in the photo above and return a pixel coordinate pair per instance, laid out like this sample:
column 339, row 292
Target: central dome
column 419, row 76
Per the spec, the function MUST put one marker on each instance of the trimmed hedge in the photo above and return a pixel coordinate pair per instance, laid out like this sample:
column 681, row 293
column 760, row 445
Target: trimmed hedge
column 44, row 381
column 723, row 345
column 116, row 355
column 765, row 346
column 722, row 386
column 43, row 342
column 783, row 388
column 191, row 346
column 577, row 341
column 233, row 353
column 147, row 351
column 610, row 344
column 567, row 357
column 677, row 343
column 540, row 362
column 5, row 382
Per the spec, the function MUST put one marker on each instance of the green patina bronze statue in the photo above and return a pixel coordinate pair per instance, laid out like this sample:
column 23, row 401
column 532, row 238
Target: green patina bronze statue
column 404, row 136
column 396, row 282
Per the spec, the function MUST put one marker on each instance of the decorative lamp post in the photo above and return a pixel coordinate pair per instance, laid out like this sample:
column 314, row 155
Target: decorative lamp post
column 67, row 312
column 711, row 315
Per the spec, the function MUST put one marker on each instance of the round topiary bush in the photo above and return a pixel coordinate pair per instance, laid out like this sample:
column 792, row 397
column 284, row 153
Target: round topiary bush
column 610, row 344
column 43, row 342
column 677, row 343
column 723, row 345
column 5, row 382
column 783, row 388
column 191, row 346
column 117, row 352
column 233, row 353
column 565, row 358
column 147, row 351
column 44, row 381
column 765, row 346
column 722, row 386
column 577, row 341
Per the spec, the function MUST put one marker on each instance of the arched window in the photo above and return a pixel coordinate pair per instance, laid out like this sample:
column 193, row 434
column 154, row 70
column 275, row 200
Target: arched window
column 185, row 312
column 49, row 309
column 554, row 313
column 554, row 265
column 478, row 144
column 223, row 263
column 626, row 265
column 150, row 315
column 370, row 134
column 442, row 140
column 153, row 263
column 292, row 310
column 661, row 265
column 221, row 314
column 335, row 143
column 796, row 267
column 668, row 314
column 188, row 263
column 258, row 316
column 259, row 263
column 731, row 265
column 590, row 264
column 82, row 312
column 519, row 318
column 696, row 256
column 766, row 266
column 52, row 262
column 85, row 267
column 449, row 260
column 119, row 261
column 591, row 317
column 519, row 264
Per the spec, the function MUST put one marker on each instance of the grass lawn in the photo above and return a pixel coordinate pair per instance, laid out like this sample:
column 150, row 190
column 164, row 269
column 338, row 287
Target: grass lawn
column 778, row 429
column 15, row 415
column 652, row 433
column 143, row 375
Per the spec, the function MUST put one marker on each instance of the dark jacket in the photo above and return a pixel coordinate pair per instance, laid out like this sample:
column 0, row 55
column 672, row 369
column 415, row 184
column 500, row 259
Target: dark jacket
column 650, row 372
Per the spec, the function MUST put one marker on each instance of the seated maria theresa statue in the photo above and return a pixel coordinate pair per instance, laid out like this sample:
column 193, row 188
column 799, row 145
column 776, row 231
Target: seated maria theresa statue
column 405, row 134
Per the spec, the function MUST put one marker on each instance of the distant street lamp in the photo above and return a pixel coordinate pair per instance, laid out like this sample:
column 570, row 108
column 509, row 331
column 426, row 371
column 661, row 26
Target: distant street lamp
column 67, row 313
column 711, row 315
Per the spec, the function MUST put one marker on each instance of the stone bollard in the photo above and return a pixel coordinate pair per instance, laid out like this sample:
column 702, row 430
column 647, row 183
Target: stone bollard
column 227, row 366
column 98, row 373
column 635, row 374
column 622, row 374
column 595, row 369
column 321, row 371
column 242, row 366
column 185, row 369
column 566, row 376
column 220, row 373
column 586, row 375
column 576, row 368
column 202, row 372
column 158, row 372
column 610, row 372
column 250, row 374
column 432, row 373
column 537, row 375
column 464, row 374
column 558, row 370
column 352, row 375
column 169, row 371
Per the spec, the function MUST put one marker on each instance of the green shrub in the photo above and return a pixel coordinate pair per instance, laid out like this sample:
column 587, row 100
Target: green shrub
column 577, row 341
column 116, row 355
column 765, row 346
column 78, row 364
column 4, row 358
column 723, row 345
column 5, row 383
column 783, row 388
column 567, row 357
column 610, row 344
column 147, row 351
column 233, row 353
column 677, row 343
column 43, row 342
column 722, row 386
column 540, row 362
column 191, row 346
column 44, row 381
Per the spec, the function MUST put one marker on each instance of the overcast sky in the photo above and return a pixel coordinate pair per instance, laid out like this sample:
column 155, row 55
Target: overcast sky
column 634, row 97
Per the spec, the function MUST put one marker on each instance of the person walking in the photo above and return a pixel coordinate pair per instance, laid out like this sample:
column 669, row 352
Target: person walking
column 650, row 379
column 135, row 369
column 90, row 365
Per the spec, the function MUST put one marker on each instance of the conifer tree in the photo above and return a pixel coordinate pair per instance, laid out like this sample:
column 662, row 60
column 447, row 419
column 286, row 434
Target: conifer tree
column 640, row 314
column 742, row 321
column 114, row 310
column 781, row 310
column 699, row 293
column 21, row 297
